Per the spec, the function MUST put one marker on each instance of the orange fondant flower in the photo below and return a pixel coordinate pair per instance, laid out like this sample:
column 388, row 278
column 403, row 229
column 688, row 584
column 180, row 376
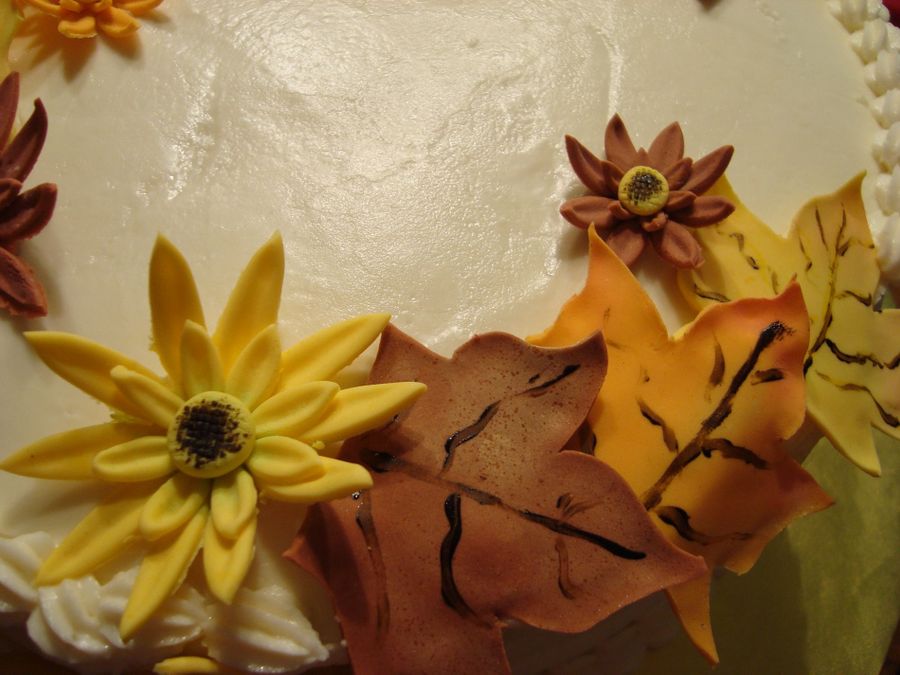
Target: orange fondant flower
column 22, row 214
column 654, row 194
column 84, row 18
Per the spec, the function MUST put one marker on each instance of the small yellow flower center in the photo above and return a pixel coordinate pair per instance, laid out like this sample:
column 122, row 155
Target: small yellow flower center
column 213, row 433
column 643, row 191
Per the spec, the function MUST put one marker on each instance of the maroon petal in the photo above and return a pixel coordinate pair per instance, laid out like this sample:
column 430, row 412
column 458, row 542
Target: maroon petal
column 582, row 211
column 667, row 148
column 677, row 174
column 9, row 190
column 619, row 148
column 598, row 175
column 627, row 242
column 28, row 214
column 680, row 199
column 21, row 294
column 677, row 245
column 9, row 101
column 619, row 212
column 705, row 211
column 655, row 223
column 19, row 156
column 707, row 170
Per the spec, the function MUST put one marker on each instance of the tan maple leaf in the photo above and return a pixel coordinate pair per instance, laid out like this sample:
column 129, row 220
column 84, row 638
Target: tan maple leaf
column 476, row 516
column 853, row 359
column 695, row 423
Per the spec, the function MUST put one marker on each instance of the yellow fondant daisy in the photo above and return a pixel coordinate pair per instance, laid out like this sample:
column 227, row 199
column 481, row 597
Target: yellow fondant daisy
column 235, row 418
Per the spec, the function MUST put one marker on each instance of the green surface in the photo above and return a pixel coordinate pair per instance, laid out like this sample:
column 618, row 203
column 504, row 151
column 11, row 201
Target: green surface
column 824, row 599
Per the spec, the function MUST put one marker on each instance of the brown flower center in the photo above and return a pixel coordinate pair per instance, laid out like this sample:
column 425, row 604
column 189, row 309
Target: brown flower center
column 213, row 433
column 643, row 191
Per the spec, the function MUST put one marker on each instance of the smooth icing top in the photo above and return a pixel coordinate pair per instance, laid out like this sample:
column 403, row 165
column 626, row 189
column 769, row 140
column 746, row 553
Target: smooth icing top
column 412, row 155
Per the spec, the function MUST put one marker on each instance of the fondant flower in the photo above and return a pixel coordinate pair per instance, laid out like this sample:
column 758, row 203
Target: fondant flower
column 83, row 18
column 654, row 194
column 233, row 418
column 22, row 214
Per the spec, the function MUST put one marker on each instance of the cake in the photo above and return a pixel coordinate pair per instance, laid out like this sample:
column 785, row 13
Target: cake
column 414, row 160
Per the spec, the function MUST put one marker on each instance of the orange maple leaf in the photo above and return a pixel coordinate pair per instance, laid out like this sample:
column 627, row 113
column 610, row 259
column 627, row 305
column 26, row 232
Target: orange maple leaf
column 853, row 359
column 695, row 423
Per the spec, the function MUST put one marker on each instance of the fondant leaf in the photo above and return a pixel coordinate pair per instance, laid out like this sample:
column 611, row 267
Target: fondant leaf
column 476, row 517
column 695, row 423
column 853, row 360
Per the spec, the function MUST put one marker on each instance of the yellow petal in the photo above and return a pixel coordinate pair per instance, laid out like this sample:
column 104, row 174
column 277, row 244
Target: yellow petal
column 280, row 460
column 340, row 480
column 201, row 369
column 324, row 353
column 226, row 561
column 360, row 409
column 117, row 23
column 81, row 27
column 173, row 301
column 233, row 503
column 102, row 534
column 191, row 665
column 161, row 573
column 290, row 411
column 253, row 303
column 138, row 7
column 87, row 365
column 70, row 455
column 174, row 504
column 157, row 403
column 136, row 460
column 255, row 370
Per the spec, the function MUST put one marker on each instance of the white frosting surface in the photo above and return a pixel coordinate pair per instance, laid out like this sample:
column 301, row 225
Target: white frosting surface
column 412, row 155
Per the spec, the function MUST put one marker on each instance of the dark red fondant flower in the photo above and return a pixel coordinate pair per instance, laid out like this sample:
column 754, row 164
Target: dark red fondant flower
column 22, row 214
column 640, row 195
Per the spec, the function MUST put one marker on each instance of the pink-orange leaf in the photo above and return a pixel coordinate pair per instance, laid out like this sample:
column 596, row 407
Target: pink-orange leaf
column 694, row 423
column 476, row 516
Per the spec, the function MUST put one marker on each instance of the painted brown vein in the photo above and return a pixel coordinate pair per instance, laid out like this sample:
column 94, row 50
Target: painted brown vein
column 699, row 444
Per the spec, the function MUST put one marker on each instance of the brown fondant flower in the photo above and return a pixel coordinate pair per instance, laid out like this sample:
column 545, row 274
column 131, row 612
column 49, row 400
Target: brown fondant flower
column 654, row 194
column 22, row 214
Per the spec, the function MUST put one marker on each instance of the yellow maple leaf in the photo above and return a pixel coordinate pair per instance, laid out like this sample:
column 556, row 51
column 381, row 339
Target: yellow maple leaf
column 853, row 360
column 695, row 422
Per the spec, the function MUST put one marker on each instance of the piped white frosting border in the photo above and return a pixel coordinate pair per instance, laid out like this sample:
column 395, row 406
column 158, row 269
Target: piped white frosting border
column 877, row 43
